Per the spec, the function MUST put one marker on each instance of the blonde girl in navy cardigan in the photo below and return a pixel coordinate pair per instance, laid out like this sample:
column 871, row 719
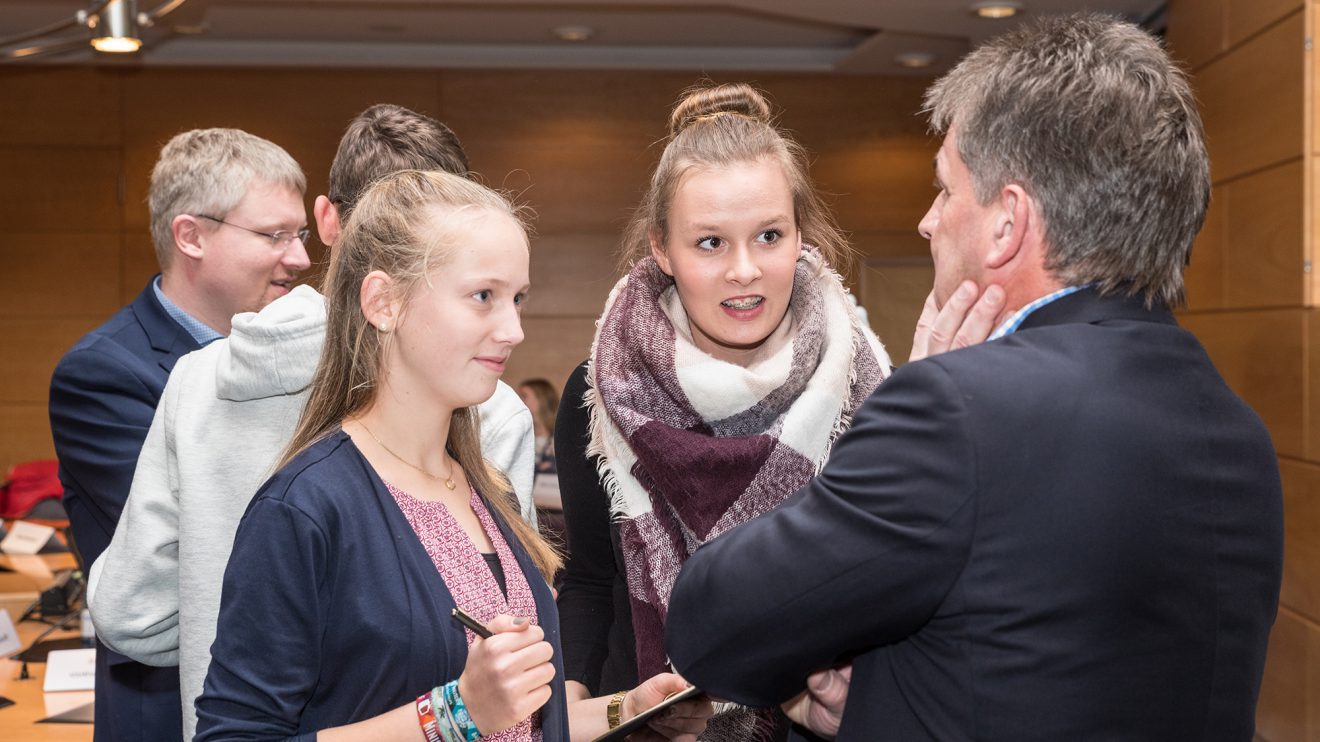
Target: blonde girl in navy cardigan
column 335, row 619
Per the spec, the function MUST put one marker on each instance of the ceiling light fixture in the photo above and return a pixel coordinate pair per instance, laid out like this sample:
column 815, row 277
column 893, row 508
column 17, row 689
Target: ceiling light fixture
column 573, row 34
column 996, row 9
column 915, row 60
column 112, row 25
column 114, row 29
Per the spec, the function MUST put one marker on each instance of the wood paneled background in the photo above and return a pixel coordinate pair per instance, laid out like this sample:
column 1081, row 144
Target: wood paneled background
column 1248, row 285
column 77, row 146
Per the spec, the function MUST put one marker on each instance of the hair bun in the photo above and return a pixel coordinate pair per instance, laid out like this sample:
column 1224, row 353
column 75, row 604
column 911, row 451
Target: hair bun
column 735, row 98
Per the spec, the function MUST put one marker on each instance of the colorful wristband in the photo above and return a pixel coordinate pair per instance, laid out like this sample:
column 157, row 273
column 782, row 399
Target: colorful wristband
column 426, row 718
column 460, row 713
column 448, row 729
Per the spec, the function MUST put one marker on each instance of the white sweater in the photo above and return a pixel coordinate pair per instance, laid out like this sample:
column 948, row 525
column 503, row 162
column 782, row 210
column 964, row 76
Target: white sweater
column 226, row 414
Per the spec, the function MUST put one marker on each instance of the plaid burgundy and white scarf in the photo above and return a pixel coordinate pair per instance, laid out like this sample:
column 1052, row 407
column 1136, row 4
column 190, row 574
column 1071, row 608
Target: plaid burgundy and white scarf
column 690, row 446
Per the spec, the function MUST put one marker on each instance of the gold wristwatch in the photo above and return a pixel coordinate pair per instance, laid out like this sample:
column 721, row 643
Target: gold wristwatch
column 614, row 710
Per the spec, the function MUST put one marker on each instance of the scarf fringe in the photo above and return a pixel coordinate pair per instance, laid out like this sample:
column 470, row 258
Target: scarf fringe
column 599, row 424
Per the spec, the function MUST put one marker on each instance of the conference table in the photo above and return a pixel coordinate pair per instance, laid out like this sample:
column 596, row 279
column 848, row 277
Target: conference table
column 22, row 721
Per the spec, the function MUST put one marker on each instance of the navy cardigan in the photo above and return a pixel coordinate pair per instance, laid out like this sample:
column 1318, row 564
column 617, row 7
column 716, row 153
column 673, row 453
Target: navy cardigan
column 332, row 611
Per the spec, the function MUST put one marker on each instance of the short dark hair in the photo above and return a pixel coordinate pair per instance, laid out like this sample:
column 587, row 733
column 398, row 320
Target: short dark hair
column 1092, row 118
column 385, row 139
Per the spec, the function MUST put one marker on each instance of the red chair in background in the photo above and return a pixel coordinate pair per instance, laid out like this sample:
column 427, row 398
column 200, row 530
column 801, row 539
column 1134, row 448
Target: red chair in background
column 32, row 490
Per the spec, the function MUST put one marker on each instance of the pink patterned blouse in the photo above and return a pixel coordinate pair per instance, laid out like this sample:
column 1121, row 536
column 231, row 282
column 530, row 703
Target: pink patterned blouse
column 469, row 578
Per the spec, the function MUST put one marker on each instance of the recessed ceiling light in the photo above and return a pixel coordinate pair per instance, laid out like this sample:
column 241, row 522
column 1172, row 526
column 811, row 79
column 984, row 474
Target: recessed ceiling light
column 915, row 60
column 574, row 33
column 996, row 8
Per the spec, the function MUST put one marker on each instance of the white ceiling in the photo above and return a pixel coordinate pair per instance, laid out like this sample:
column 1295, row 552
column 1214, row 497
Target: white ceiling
column 843, row 36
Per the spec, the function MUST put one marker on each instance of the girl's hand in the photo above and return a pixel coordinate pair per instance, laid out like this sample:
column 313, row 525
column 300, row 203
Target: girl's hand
column 682, row 721
column 507, row 677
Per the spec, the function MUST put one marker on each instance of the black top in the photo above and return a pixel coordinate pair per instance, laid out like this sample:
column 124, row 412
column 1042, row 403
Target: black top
column 595, row 616
column 496, row 570
column 599, row 649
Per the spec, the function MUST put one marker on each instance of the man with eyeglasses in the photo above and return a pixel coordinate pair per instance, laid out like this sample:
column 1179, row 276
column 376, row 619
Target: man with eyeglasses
column 229, row 228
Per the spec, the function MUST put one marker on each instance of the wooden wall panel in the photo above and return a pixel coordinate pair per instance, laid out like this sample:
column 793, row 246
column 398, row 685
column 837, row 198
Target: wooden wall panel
column 872, row 184
column 1204, row 277
column 1244, row 18
column 868, row 144
column 1260, row 355
column 86, row 112
column 1266, row 70
column 1301, row 565
column 572, row 274
column 1263, row 249
column 1196, row 30
column 60, row 275
column 59, row 189
column 25, row 376
column 893, row 292
column 554, row 347
column 24, row 433
column 303, row 111
column 901, row 243
column 1312, row 361
column 547, row 136
column 1287, row 711
column 137, row 264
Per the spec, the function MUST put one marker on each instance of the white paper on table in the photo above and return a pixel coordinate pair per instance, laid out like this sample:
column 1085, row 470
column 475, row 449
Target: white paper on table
column 9, row 642
column 26, row 538
column 70, row 669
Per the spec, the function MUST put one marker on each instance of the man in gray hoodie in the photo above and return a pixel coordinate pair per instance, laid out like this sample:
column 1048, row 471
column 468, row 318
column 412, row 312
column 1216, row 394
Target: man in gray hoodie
column 226, row 415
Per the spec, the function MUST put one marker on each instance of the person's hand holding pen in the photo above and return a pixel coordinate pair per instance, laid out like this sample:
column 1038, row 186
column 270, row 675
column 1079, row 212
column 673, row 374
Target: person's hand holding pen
column 508, row 672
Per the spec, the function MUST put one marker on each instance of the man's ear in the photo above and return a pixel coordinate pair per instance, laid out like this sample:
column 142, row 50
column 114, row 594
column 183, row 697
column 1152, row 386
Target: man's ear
column 379, row 302
column 1012, row 219
column 187, row 236
column 327, row 220
column 658, row 252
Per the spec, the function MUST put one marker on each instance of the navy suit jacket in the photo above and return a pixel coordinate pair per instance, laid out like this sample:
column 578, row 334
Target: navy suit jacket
column 1074, row 532
column 103, row 396
column 332, row 611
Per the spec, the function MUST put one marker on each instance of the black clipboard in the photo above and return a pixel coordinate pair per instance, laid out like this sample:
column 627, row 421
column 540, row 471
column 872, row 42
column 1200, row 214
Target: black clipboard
column 636, row 723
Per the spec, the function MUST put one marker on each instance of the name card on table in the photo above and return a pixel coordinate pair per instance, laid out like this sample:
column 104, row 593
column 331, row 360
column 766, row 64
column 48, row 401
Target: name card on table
column 70, row 669
column 26, row 538
column 9, row 642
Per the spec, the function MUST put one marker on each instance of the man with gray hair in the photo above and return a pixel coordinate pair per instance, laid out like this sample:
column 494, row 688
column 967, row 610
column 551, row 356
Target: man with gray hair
column 1070, row 531
column 230, row 230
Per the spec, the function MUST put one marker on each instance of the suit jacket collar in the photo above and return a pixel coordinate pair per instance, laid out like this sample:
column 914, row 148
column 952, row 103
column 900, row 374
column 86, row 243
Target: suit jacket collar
column 166, row 336
column 1088, row 306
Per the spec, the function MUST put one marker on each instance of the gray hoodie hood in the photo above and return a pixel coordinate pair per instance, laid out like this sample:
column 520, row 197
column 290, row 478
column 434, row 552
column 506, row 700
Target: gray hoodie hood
column 273, row 352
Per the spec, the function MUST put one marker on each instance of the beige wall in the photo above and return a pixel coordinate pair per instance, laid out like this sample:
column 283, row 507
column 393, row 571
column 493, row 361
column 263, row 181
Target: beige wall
column 1248, row 288
column 77, row 146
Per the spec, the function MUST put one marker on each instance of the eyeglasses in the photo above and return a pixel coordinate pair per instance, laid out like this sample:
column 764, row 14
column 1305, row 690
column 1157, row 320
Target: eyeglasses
column 281, row 239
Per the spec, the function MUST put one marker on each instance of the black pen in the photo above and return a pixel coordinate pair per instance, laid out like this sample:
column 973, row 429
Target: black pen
column 471, row 623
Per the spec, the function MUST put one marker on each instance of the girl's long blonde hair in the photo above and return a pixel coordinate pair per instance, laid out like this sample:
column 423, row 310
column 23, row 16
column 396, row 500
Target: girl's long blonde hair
column 398, row 227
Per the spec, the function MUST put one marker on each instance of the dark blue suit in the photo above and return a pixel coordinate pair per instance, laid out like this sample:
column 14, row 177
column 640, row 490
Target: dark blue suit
column 332, row 612
column 103, row 395
column 1071, row 533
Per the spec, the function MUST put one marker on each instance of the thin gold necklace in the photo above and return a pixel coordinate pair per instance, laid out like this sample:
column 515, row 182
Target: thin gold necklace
column 448, row 479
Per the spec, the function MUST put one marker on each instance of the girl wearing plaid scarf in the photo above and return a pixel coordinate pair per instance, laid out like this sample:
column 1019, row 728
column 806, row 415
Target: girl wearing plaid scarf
column 725, row 364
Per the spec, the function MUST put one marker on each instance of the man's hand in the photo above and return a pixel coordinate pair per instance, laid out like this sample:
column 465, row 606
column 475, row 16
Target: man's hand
column 820, row 707
column 964, row 320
